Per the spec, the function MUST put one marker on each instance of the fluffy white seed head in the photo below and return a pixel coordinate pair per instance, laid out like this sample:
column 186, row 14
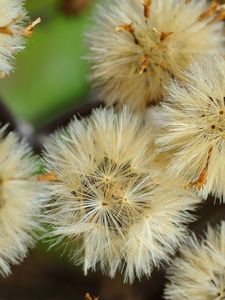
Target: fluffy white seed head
column 192, row 120
column 137, row 46
column 12, row 16
column 108, row 195
column 20, row 200
column 199, row 272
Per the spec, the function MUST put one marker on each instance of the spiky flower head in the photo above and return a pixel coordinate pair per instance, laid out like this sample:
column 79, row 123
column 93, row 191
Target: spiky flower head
column 12, row 32
column 20, row 200
column 137, row 46
column 192, row 120
column 125, row 213
column 199, row 272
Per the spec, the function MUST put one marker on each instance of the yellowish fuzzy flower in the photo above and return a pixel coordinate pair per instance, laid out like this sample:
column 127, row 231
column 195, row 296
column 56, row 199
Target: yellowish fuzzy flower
column 12, row 32
column 20, row 200
column 193, row 122
column 199, row 273
column 137, row 46
column 125, row 212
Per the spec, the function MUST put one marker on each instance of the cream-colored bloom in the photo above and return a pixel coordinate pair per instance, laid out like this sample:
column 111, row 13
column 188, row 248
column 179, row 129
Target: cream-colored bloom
column 125, row 213
column 20, row 200
column 199, row 272
column 134, row 49
column 12, row 32
column 193, row 123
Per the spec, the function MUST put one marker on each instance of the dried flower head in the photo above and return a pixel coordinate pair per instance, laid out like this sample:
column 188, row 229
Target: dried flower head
column 12, row 32
column 137, row 46
column 88, row 297
column 125, row 213
column 199, row 272
column 193, row 123
column 20, row 200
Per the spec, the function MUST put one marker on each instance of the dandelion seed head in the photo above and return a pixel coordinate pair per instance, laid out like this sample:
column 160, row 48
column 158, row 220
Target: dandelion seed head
column 199, row 272
column 108, row 195
column 12, row 17
column 193, row 123
column 135, row 49
column 21, row 200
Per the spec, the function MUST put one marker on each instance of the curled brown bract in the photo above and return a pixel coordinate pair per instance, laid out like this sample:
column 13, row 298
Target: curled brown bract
column 147, row 8
column 202, row 179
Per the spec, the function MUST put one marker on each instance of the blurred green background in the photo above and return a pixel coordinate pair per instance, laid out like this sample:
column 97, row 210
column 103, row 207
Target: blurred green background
column 50, row 75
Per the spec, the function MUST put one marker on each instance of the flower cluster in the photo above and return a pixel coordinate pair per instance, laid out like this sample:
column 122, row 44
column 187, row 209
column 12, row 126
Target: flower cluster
column 122, row 194
column 137, row 46
column 122, row 182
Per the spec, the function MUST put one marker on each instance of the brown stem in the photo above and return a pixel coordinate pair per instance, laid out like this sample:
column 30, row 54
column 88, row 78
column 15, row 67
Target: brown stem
column 6, row 30
column 48, row 177
column 164, row 35
column 145, row 63
column 28, row 31
column 147, row 8
column 202, row 179
column 210, row 11
column 129, row 28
